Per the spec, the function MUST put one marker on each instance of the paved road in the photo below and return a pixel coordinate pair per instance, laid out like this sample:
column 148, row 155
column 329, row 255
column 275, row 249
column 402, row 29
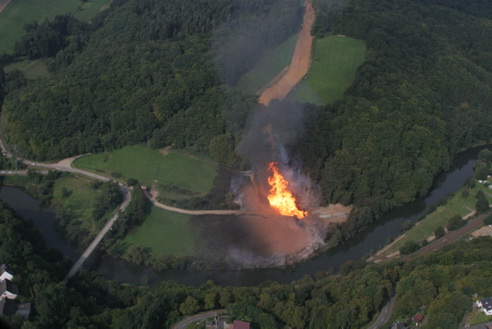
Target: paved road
column 385, row 314
column 78, row 265
column 195, row 318
column 479, row 326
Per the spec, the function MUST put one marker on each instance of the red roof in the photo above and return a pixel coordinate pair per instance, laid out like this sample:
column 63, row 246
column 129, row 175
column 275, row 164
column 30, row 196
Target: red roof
column 417, row 318
column 240, row 325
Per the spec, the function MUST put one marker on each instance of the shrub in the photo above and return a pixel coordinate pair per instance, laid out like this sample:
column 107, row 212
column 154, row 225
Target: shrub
column 455, row 223
column 439, row 232
column 408, row 248
column 482, row 206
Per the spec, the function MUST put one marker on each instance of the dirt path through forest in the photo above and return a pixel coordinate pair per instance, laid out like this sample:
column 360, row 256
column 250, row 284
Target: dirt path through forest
column 4, row 4
column 299, row 65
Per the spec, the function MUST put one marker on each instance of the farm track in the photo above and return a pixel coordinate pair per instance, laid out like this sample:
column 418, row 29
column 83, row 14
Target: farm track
column 299, row 65
column 4, row 4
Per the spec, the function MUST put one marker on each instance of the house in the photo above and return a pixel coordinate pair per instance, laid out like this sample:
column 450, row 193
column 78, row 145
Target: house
column 4, row 274
column 7, row 306
column 417, row 318
column 8, row 289
column 485, row 305
column 240, row 325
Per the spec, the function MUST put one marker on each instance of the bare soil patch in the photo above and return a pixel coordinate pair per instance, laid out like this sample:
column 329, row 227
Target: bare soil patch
column 4, row 4
column 299, row 65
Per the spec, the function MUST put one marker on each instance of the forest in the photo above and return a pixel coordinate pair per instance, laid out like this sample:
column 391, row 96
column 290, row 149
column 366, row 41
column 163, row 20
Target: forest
column 442, row 284
column 165, row 72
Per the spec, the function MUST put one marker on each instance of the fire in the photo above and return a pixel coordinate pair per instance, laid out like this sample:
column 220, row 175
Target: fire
column 280, row 197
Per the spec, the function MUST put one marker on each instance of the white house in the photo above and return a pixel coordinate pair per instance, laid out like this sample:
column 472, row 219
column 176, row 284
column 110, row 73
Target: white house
column 4, row 274
column 485, row 305
column 8, row 289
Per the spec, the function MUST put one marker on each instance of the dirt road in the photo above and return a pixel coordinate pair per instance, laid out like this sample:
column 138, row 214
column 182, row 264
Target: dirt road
column 4, row 4
column 299, row 65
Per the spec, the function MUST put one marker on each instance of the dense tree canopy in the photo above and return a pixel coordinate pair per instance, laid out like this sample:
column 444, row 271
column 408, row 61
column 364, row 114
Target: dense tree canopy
column 423, row 94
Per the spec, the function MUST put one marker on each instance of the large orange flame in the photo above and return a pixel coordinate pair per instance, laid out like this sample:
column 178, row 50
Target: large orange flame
column 280, row 197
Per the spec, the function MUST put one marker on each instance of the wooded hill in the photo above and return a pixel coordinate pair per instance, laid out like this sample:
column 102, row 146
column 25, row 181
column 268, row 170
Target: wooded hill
column 143, row 71
column 423, row 94
column 444, row 282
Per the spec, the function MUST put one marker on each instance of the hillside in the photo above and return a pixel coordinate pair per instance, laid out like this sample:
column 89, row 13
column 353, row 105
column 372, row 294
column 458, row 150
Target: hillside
column 423, row 94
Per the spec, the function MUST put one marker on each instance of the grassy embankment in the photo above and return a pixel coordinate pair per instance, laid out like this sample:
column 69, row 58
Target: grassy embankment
column 456, row 205
column 272, row 63
column 21, row 12
column 177, row 176
column 164, row 232
column 333, row 65
column 78, row 204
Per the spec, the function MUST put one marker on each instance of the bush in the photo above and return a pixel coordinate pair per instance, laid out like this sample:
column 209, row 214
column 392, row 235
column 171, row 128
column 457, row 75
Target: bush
column 455, row 223
column 439, row 232
column 131, row 182
column 116, row 175
column 480, row 195
column 465, row 193
column 407, row 225
column 482, row 206
column 408, row 248
column 488, row 220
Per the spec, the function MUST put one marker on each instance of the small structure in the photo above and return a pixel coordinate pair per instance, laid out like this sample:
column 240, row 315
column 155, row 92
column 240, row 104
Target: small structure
column 24, row 310
column 7, row 306
column 8, row 289
column 485, row 305
column 4, row 274
column 417, row 318
column 240, row 325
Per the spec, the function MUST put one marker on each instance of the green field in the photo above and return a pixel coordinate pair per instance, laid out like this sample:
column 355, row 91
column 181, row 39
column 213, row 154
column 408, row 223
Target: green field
column 32, row 69
column 147, row 166
column 164, row 232
column 79, row 203
column 273, row 62
column 21, row 12
column 457, row 205
column 334, row 62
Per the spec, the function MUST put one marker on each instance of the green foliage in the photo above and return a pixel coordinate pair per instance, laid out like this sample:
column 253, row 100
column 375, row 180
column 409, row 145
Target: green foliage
column 439, row 232
column 408, row 248
column 482, row 206
column 109, row 199
column 455, row 223
column 413, row 105
column 488, row 220
column 408, row 224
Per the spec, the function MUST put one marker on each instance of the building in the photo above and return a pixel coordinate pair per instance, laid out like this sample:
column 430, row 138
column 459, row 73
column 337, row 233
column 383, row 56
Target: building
column 7, row 306
column 8, row 289
column 4, row 274
column 485, row 305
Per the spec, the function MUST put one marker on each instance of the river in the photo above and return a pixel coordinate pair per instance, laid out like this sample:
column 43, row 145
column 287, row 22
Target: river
column 372, row 238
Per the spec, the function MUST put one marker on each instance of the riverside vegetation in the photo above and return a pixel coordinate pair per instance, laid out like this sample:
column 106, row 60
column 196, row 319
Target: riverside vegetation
column 422, row 94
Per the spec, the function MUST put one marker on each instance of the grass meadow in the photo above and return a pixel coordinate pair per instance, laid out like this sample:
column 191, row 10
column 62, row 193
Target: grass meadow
column 80, row 200
column 164, row 232
column 21, row 12
column 273, row 62
column 148, row 166
column 334, row 62
column 456, row 205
